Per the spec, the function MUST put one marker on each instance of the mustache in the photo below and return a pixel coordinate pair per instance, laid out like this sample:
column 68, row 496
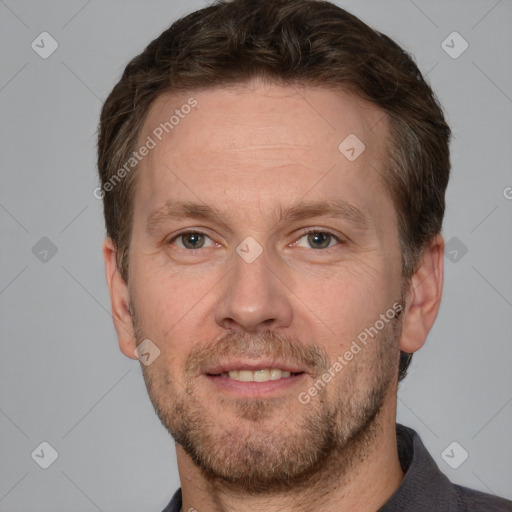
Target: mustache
column 267, row 344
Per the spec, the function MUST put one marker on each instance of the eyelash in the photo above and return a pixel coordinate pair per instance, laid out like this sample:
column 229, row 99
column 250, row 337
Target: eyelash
column 186, row 232
column 308, row 231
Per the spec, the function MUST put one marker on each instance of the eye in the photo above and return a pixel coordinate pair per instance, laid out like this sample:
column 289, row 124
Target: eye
column 192, row 240
column 317, row 239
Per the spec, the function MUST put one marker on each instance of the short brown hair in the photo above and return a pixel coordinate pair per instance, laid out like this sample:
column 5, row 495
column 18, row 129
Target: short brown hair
column 289, row 42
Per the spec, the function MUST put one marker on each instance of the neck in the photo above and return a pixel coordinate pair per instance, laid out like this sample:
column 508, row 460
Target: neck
column 367, row 482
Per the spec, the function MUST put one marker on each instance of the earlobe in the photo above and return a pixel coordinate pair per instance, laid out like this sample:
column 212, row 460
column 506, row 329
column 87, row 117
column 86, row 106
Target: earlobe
column 423, row 297
column 120, row 301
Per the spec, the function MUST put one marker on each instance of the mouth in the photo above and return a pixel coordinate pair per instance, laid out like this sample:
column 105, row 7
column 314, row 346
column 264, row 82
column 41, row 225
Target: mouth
column 262, row 375
column 254, row 380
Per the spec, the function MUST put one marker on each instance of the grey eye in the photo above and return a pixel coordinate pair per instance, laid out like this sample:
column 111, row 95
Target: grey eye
column 192, row 240
column 319, row 240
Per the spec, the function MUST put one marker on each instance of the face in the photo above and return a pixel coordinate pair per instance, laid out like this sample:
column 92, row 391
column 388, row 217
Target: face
column 260, row 253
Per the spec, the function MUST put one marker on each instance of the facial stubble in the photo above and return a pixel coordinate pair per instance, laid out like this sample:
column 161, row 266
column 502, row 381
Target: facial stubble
column 256, row 445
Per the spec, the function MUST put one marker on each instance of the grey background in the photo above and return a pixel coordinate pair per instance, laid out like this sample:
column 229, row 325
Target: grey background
column 62, row 377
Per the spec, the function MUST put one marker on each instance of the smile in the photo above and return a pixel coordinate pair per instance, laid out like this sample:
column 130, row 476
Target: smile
column 262, row 375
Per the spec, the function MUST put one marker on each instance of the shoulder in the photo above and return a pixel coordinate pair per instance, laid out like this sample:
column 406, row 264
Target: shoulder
column 425, row 488
column 475, row 501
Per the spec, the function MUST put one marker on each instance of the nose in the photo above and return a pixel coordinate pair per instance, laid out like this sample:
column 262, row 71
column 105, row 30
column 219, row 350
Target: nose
column 254, row 298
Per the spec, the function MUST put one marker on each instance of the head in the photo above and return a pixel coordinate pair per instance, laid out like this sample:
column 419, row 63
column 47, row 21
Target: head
column 308, row 159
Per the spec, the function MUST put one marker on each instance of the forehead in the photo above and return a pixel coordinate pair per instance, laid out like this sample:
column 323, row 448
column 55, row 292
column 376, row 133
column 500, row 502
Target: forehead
column 236, row 141
column 314, row 117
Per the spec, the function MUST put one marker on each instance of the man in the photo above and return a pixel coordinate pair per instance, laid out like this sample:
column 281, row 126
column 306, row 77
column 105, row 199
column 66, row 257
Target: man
column 273, row 175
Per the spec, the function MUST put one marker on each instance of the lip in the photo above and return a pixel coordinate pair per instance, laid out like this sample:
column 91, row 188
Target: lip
column 268, row 389
column 226, row 367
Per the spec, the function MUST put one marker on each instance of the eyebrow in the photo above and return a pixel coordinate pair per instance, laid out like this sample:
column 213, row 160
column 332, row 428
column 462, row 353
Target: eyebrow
column 179, row 210
column 338, row 209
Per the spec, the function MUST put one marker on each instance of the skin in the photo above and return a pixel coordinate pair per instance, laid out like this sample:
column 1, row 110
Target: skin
column 251, row 152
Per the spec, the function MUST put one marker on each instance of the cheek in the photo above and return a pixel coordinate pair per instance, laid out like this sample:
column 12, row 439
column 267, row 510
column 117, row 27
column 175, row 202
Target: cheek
column 347, row 300
column 171, row 308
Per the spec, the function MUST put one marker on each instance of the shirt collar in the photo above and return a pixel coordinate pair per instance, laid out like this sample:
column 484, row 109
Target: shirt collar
column 424, row 487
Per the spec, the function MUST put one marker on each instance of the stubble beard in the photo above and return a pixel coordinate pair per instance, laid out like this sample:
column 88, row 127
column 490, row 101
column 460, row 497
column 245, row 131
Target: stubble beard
column 260, row 449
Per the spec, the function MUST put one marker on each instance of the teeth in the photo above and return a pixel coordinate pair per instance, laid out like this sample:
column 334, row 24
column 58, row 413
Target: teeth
column 262, row 375
column 245, row 376
column 275, row 374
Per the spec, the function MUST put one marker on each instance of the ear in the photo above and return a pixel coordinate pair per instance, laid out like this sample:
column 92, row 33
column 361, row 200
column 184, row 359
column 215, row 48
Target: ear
column 120, row 301
column 423, row 297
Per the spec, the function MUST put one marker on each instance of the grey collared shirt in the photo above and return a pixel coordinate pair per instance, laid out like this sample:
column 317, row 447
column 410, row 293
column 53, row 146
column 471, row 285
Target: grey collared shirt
column 424, row 488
